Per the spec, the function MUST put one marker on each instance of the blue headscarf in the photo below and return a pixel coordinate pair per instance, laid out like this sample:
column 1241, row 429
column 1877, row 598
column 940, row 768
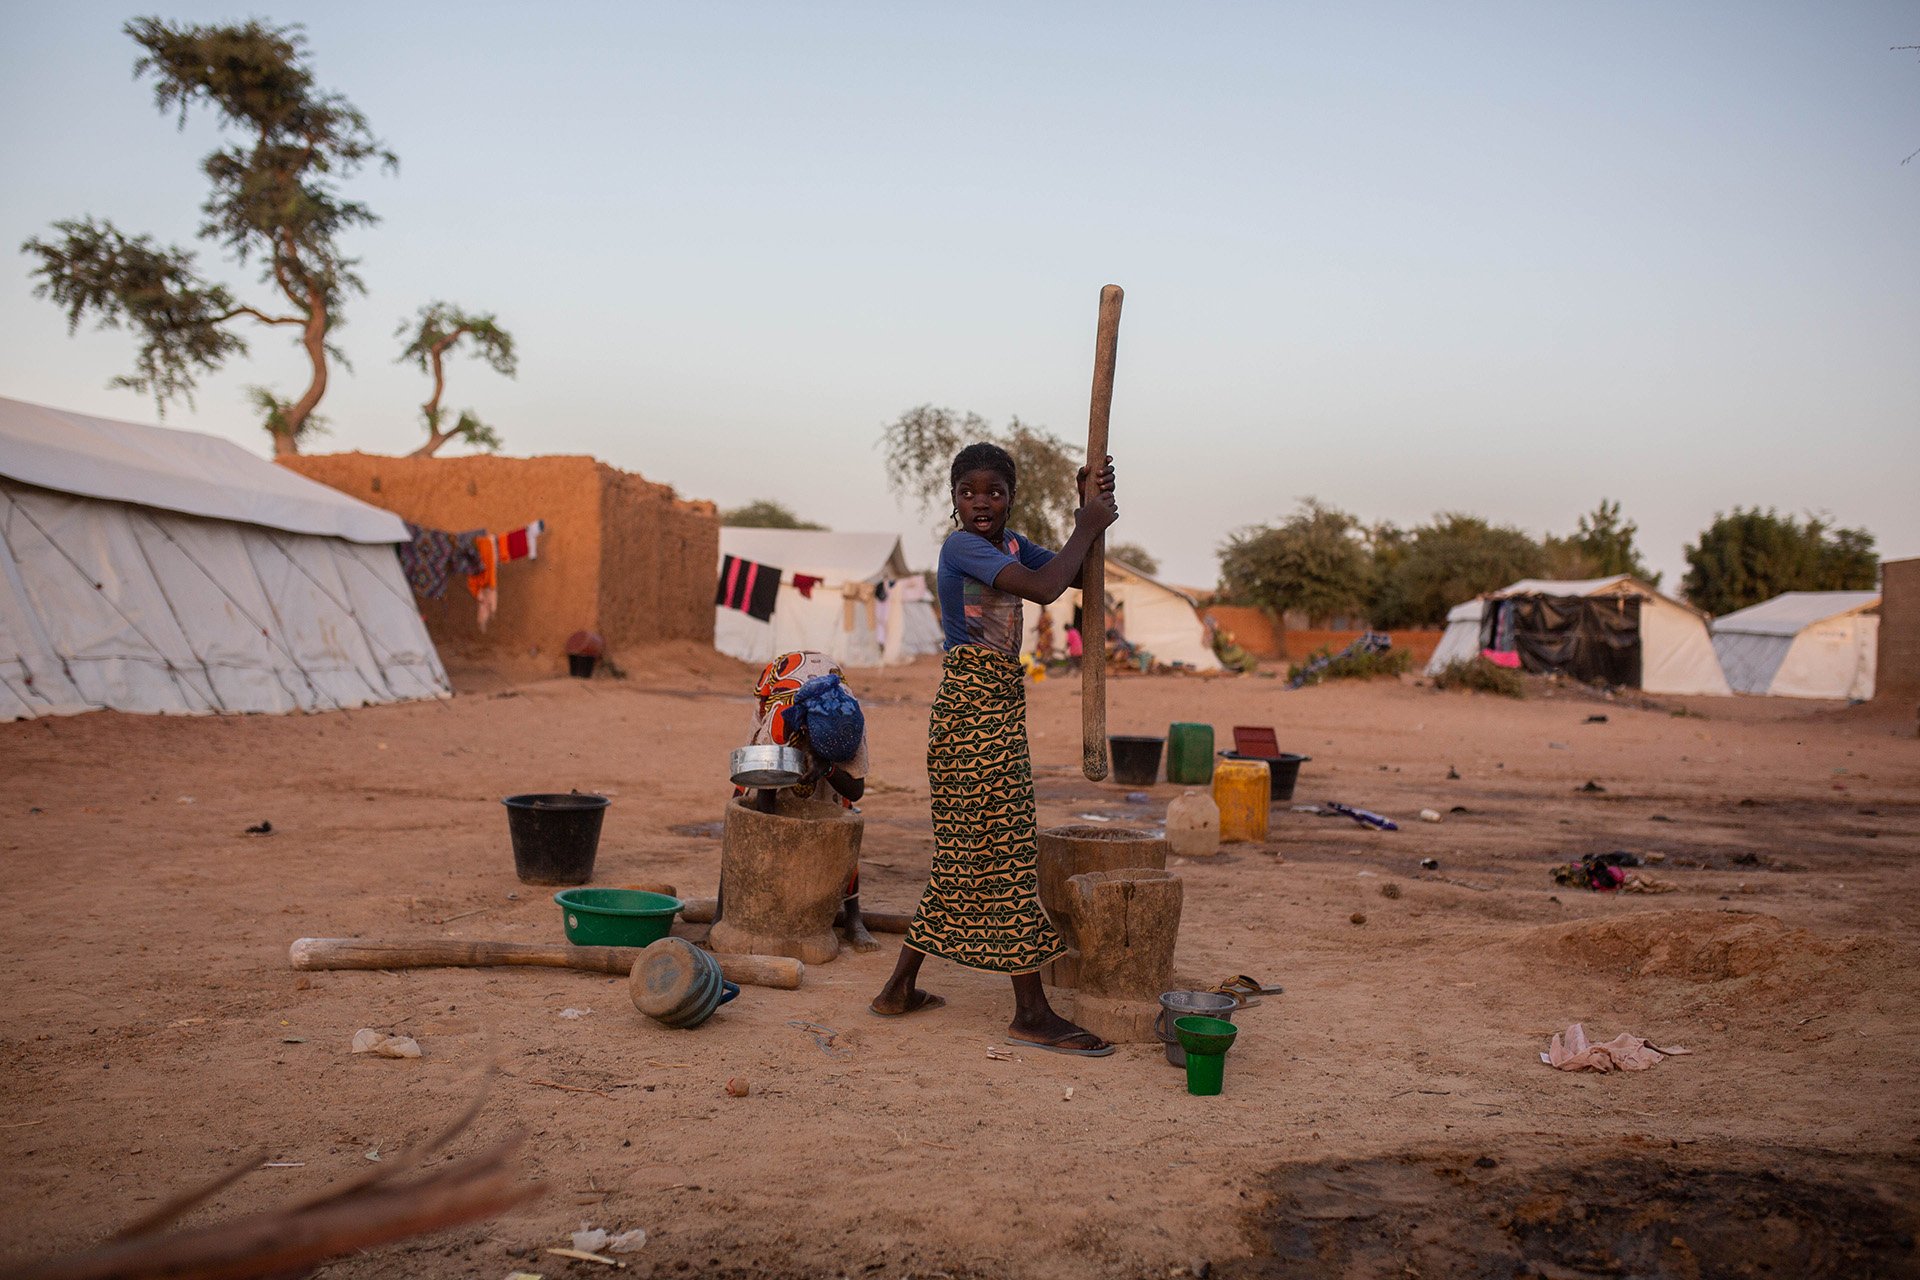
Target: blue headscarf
column 830, row 717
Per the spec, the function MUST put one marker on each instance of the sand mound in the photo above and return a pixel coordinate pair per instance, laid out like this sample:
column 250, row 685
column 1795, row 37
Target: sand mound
column 1691, row 946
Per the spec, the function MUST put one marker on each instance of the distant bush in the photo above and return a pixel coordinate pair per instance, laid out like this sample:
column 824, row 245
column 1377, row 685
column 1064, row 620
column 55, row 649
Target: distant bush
column 1351, row 666
column 1478, row 673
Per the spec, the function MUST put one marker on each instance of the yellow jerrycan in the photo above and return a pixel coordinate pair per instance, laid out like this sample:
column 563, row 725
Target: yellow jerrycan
column 1243, row 790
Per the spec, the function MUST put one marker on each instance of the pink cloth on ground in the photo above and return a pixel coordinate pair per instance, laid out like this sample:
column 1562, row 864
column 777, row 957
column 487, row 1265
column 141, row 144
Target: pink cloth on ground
column 1572, row 1051
column 1502, row 658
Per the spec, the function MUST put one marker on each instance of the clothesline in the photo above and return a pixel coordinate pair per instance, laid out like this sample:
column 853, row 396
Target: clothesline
column 753, row 588
column 433, row 557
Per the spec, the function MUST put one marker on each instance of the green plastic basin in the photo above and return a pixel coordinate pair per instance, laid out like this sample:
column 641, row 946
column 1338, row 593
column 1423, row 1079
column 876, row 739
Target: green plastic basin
column 615, row 917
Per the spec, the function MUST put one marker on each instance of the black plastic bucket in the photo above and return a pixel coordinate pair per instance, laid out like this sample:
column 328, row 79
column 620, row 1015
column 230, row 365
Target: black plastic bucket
column 1136, row 759
column 581, row 665
column 555, row 836
column 1283, row 769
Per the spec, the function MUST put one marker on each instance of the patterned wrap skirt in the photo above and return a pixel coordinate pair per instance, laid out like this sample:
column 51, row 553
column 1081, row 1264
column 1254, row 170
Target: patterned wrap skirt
column 982, row 904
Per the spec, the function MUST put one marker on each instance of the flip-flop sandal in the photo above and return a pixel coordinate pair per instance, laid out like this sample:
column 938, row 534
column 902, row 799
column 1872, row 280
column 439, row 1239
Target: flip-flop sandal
column 932, row 1001
column 1246, row 990
column 1101, row 1052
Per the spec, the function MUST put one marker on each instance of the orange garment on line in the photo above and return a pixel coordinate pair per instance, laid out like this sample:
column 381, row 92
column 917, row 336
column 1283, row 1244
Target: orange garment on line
column 485, row 585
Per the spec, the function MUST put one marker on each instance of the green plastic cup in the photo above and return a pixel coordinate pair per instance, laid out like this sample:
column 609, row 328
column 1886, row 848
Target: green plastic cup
column 1205, row 1072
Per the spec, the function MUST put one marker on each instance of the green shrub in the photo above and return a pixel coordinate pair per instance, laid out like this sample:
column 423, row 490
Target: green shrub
column 1478, row 673
column 1354, row 666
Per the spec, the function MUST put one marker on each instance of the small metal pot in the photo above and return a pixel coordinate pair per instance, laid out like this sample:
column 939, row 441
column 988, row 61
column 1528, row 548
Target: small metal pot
column 769, row 766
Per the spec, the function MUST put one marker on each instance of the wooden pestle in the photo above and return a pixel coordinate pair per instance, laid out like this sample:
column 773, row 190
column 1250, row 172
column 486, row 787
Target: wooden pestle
column 425, row 953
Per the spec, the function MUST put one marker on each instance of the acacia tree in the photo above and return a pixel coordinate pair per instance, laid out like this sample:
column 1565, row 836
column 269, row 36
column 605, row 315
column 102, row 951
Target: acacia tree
column 920, row 446
column 1450, row 559
column 275, row 202
column 1601, row 545
column 1134, row 555
column 437, row 330
column 1316, row 561
column 1748, row 555
column 765, row 513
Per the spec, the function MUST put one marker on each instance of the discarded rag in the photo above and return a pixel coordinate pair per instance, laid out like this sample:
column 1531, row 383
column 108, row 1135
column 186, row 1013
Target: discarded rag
column 749, row 587
column 432, row 557
column 1572, row 1051
column 1601, row 872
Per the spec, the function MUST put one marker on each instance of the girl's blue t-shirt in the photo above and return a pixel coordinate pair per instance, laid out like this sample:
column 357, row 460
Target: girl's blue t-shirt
column 972, row 609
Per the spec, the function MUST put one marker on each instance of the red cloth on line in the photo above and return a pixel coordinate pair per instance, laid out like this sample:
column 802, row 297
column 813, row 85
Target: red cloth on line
column 522, row 543
column 804, row 584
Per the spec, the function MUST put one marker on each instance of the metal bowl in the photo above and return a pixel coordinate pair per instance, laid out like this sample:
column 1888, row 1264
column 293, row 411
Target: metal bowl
column 769, row 766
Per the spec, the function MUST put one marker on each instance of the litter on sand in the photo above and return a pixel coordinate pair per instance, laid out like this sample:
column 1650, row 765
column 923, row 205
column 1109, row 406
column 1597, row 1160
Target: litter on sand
column 574, row 1013
column 1365, row 817
column 1572, row 1051
column 599, row 1240
column 1606, row 872
column 367, row 1040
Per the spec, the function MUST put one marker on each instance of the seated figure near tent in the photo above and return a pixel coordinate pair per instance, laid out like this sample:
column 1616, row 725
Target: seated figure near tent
column 803, row 702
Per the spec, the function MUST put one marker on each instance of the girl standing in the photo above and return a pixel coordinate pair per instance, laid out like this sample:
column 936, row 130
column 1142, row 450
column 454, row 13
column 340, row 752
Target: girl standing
column 981, row 907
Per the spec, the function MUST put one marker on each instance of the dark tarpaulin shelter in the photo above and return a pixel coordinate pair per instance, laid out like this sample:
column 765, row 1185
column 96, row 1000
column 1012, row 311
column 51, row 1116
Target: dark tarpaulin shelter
column 1591, row 638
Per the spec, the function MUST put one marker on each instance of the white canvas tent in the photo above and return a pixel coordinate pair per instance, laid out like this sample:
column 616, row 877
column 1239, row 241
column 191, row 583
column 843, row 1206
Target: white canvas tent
column 1802, row 644
column 842, row 617
column 1676, row 651
column 1163, row 620
column 151, row 570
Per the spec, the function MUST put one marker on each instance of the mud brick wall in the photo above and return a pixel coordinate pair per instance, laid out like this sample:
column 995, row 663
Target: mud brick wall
column 1897, row 665
column 621, row 555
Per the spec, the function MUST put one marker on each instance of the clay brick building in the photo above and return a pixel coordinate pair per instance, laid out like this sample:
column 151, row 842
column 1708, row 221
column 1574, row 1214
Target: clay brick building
column 621, row 555
column 1897, row 666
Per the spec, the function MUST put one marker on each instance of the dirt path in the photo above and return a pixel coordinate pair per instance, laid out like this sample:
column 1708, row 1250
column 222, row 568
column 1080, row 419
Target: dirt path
column 153, row 1032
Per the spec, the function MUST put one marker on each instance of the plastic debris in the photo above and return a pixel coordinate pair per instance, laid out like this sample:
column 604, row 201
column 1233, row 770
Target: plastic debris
column 367, row 1040
column 261, row 828
column 1365, row 817
column 1430, row 864
column 574, row 1014
column 1429, row 815
column 589, row 1239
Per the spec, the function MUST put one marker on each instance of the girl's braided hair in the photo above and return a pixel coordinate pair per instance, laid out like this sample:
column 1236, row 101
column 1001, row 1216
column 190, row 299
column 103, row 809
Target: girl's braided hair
column 984, row 457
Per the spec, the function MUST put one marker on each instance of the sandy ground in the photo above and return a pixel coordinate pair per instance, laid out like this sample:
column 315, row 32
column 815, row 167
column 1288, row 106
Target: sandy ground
column 1384, row 1110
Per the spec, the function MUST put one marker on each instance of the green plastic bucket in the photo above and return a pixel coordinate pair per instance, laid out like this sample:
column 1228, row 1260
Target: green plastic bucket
column 1189, row 753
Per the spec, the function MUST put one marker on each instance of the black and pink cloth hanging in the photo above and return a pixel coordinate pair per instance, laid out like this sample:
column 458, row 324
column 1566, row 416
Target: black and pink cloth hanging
column 748, row 587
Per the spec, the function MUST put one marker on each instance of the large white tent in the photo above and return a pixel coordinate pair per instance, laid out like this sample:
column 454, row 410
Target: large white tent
column 1676, row 651
column 841, row 615
column 1161, row 619
column 152, row 570
column 1802, row 644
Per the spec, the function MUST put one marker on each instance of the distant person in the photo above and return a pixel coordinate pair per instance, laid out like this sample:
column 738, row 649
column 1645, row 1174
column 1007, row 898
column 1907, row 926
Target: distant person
column 981, row 907
column 1073, row 647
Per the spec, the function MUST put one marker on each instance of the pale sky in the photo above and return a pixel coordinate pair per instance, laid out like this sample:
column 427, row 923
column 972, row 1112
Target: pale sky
column 1506, row 258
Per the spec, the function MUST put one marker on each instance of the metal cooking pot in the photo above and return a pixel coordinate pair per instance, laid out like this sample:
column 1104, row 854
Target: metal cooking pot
column 769, row 766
